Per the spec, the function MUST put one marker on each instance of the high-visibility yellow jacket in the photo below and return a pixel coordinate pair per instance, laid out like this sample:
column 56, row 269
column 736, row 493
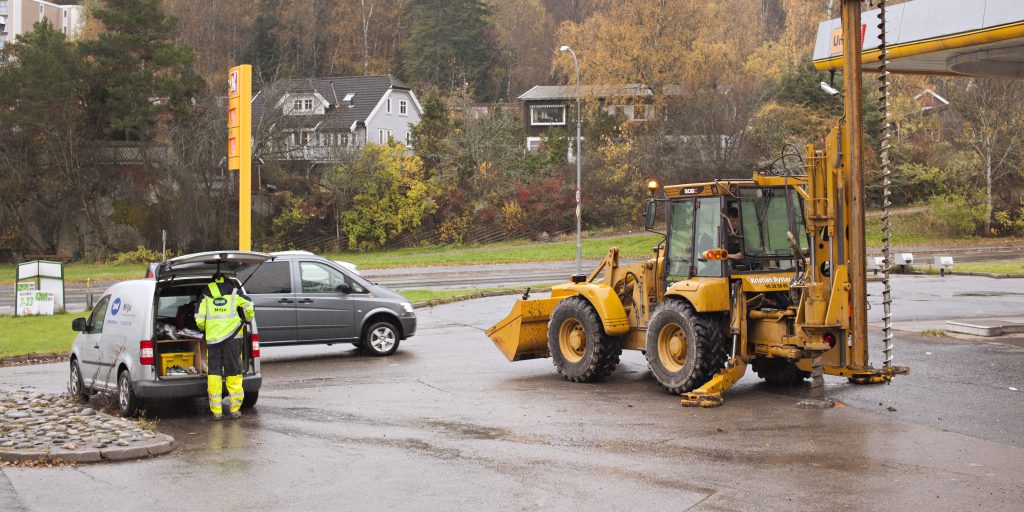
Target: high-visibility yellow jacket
column 218, row 315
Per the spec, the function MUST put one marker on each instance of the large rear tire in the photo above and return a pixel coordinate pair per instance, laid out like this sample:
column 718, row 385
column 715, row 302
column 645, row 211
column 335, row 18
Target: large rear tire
column 579, row 347
column 684, row 349
column 779, row 372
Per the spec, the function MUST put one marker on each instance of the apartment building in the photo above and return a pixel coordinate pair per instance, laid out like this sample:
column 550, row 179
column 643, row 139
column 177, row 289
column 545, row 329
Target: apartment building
column 18, row 16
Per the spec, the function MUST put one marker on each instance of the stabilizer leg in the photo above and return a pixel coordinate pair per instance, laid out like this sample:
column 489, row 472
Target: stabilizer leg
column 710, row 394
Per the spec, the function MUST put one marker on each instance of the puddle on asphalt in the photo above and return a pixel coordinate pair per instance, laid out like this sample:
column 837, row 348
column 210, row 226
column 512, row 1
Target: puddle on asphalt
column 986, row 294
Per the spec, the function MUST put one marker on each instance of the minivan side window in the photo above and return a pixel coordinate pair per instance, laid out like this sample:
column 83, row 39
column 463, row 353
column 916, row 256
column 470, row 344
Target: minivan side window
column 95, row 323
column 319, row 278
column 270, row 277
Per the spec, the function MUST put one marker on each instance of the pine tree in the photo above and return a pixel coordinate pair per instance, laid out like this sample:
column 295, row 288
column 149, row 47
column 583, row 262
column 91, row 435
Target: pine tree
column 451, row 44
column 263, row 52
column 140, row 74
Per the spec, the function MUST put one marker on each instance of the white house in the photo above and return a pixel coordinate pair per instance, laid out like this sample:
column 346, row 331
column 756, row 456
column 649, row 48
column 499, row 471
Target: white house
column 321, row 120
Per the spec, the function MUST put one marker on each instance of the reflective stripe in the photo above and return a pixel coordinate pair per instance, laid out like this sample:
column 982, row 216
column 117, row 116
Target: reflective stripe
column 214, row 290
column 222, row 316
column 236, row 395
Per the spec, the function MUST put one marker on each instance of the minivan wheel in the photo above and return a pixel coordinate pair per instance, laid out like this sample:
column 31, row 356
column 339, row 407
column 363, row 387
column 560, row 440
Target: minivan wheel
column 381, row 339
column 76, row 386
column 127, row 402
column 249, row 400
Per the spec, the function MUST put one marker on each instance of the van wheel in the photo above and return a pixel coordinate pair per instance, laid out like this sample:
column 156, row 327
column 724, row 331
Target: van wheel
column 76, row 386
column 127, row 403
column 249, row 400
column 380, row 339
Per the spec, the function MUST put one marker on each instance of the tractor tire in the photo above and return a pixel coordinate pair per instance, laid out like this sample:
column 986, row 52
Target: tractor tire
column 779, row 372
column 684, row 349
column 579, row 347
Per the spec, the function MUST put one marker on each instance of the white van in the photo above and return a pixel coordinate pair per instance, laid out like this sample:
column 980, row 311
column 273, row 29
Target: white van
column 141, row 342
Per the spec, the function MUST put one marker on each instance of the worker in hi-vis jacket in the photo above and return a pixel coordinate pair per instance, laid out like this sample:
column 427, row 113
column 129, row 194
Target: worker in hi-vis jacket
column 222, row 313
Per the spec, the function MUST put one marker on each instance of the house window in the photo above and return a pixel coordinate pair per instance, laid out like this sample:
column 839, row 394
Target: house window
column 380, row 133
column 533, row 144
column 307, row 104
column 639, row 112
column 547, row 115
column 408, row 139
column 403, row 107
column 388, row 102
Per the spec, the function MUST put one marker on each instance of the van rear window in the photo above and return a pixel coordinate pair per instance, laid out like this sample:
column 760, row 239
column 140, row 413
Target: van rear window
column 270, row 277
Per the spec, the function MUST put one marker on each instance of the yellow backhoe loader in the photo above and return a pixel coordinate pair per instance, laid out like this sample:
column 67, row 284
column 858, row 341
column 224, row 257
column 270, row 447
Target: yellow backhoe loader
column 768, row 272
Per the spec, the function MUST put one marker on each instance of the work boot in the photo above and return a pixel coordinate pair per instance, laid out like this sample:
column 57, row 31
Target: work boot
column 236, row 414
column 218, row 417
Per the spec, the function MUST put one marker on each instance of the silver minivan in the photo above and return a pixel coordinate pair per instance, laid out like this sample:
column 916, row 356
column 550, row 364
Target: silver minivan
column 141, row 343
column 302, row 299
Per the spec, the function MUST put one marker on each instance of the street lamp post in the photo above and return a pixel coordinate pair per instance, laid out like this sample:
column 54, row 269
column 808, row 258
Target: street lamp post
column 579, row 237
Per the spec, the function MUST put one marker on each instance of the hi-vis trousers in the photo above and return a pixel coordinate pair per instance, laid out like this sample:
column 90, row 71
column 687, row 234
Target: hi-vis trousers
column 225, row 358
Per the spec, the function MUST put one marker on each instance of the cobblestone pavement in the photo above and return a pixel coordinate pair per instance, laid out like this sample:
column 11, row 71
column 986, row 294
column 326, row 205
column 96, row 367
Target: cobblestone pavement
column 35, row 425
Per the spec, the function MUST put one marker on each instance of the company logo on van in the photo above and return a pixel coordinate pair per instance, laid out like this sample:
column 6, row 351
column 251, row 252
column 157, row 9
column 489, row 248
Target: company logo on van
column 220, row 301
column 115, row 308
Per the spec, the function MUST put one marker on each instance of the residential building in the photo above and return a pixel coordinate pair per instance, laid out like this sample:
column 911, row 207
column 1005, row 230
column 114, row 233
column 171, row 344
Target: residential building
column 547, row 106
column 323, row 120
column 18, row 16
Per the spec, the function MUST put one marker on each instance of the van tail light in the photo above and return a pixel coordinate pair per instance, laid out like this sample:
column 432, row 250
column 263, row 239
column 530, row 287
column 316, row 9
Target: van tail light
column 146, row 352
column 255, row 345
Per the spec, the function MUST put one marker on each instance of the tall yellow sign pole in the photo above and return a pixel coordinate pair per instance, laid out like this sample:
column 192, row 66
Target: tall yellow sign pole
column 240, row 146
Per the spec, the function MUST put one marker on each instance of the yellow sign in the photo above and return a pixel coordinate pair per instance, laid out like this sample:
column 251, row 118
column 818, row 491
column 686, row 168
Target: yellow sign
column 240, row 146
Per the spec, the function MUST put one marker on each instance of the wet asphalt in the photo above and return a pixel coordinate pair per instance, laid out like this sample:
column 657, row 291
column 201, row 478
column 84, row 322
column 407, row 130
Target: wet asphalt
column 447, row 424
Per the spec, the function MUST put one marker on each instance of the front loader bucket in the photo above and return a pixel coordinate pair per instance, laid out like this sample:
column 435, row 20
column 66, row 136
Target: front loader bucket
column 523, row 334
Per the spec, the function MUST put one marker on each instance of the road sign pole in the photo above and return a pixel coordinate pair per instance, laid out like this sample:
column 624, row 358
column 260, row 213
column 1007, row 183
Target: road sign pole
column 240, row 146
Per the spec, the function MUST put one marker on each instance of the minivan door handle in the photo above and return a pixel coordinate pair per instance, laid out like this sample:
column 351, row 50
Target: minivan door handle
column 285, row 301
column 305, row 301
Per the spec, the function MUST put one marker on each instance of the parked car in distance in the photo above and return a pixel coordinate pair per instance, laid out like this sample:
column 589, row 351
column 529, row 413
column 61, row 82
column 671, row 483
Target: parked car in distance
column 302, row 298
column 140, row 342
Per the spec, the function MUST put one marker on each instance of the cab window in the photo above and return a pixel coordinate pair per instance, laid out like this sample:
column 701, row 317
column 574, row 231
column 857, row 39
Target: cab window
column 680, row 241
column 99, row 313
column 709, row 232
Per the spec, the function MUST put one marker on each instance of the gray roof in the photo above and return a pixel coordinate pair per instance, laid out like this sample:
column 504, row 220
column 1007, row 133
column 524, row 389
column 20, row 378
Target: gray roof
column 568, row 92
column 366, row 90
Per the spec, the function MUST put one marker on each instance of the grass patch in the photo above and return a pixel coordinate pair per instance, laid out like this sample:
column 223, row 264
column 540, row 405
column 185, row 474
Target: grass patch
column 994, row 267
column 520, row 251
column 43, row 334
column 79, row 272
column 934, row 332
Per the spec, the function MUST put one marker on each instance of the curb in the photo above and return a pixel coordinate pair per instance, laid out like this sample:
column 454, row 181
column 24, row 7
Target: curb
column 469, row 296
column 55, row 357
column 162, row 444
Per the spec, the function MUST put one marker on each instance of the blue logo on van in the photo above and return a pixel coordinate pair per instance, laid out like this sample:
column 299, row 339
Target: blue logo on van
column 115, row 307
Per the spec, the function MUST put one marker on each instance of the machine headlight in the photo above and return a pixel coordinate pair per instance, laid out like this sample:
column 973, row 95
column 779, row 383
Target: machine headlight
column 406, row 306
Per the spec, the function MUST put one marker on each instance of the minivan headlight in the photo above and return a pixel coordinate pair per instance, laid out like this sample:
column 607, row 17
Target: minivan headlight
column 406, row 306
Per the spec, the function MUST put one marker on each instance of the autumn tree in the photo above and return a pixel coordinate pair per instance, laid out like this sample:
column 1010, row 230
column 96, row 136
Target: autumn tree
column 986, row 118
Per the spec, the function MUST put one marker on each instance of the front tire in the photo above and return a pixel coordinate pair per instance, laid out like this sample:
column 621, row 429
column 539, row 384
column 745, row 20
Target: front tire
column 579, row 347
column 684, row 349
column 381, row 339
column 76, row 385
column 127, row 403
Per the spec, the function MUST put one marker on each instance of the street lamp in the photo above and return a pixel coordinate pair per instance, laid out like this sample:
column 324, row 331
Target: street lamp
column 579, row 238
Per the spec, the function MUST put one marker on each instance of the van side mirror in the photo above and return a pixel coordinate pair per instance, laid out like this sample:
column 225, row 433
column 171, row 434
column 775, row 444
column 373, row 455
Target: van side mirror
column 78, row 325
column 649, row 215
column 344, row 288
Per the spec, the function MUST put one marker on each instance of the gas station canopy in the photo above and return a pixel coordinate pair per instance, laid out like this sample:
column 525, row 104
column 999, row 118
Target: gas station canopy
column 937, row 37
